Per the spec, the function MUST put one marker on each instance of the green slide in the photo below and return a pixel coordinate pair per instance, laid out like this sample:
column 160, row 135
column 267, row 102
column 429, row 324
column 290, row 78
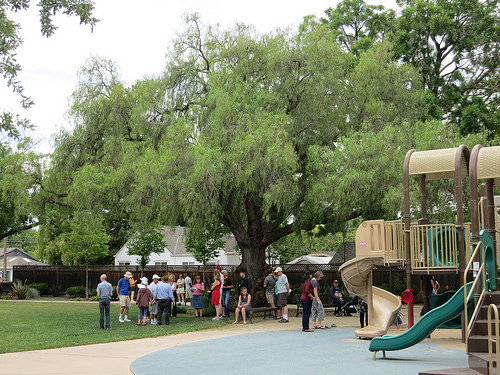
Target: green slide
column 424, row 326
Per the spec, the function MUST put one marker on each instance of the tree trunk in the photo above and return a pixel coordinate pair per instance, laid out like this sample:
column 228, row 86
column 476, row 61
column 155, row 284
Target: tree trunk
column 254, row 263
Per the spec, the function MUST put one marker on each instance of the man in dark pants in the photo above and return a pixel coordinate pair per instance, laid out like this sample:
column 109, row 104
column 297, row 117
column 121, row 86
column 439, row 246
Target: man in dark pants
column 104, row 292
column 164, row 297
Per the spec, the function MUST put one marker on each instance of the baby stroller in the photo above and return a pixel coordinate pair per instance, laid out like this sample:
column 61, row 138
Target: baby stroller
column 347, row 309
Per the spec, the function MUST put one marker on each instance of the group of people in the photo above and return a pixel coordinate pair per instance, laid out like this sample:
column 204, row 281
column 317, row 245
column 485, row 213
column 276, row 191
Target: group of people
column 157, row 301
column 154, row 300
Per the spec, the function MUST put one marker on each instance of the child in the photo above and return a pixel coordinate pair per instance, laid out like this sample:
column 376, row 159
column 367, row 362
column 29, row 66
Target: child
column 399, row 321
column 244, row 305
column 142, row 301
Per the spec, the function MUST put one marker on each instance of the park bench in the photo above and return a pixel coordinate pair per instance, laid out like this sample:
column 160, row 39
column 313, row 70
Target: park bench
column 264, row 309
column 323, row 297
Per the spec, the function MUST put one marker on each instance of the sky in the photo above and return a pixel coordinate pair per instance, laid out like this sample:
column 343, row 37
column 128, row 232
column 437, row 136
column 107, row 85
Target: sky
column 136, row 36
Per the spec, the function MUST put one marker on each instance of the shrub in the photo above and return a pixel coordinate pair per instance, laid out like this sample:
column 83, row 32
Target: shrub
column 94, row 298
column 181, row 309
column 33, row 293
column 42, row 288
column 76, row 291
column 114, row 297
column 55, row 290
column 93, row 292
column 208, row 311
column 77, row 299
column 20, row 290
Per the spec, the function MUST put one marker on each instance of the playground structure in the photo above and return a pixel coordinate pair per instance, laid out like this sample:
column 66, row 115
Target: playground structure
column 432, row 249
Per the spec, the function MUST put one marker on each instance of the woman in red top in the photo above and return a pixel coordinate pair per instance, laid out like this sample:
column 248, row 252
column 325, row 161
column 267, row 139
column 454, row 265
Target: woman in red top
column 306, row 299
column 216, row 295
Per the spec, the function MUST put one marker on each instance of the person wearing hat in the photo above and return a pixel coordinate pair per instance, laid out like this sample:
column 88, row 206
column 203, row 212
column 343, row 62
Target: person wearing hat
column 154, row 306
column 104, row 292
column 283, row 292
column 142, row 301
column 122, row 291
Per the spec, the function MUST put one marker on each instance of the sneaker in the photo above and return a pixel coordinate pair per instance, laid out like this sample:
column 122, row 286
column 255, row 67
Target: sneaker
column 283, row 321
column 139, row 324
column 215, row 320
column 333, row 326
column 126, row 320
column 121, row 320
column 244, row 322
column 144, row 323
column 235, row 322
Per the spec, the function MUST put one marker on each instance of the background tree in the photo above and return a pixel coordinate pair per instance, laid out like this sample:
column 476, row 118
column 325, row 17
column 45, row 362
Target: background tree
column 145, row 243
column 358, row 26
column 205, row 244
column 10, row 40
column 456, row 47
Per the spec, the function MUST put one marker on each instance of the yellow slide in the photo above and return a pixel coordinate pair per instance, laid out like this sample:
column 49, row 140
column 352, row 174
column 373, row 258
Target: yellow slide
column 383, row 306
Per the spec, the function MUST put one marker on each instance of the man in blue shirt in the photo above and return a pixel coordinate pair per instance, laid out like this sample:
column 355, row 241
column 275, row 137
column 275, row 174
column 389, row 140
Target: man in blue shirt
column 164, row 296
column 122, row 291
column 104, row 292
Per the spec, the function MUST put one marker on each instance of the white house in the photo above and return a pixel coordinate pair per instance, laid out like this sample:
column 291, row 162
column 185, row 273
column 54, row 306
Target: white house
column 176, row 254
column 16, row 257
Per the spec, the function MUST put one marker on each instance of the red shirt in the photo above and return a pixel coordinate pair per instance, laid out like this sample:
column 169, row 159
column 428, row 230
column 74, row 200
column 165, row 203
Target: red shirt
column 306, row 290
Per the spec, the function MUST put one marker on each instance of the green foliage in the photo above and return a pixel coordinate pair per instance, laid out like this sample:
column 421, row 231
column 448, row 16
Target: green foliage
column 33, row 293
column 94, row 299
column 42, row 288
column 181, row 309
column 10, row 40
column 76, row 291
column 204, row 243
column 144, row 243
column 455, row 45
column 20, row 290
column 55, row 290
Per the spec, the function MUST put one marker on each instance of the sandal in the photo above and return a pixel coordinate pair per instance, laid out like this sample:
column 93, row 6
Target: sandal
column 307, row 330
column 322, row 327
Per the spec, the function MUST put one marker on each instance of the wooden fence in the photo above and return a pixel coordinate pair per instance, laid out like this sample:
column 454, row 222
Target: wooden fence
column 67, row 276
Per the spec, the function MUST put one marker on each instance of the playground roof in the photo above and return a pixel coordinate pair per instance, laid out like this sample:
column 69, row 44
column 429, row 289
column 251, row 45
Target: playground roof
column 437, row 164
column 488, row 164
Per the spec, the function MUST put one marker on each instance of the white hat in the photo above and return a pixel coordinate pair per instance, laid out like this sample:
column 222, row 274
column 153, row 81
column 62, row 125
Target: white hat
column 128, row 274
column 278, row 269
column 144, row 280
column 155, row 276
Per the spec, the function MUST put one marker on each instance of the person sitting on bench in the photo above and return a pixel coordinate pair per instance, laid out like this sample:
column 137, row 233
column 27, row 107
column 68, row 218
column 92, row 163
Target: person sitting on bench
column 335, row 298
column 244, row 305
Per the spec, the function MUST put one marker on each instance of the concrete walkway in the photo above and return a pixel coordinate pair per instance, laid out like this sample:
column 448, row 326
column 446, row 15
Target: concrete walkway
column 116, row 358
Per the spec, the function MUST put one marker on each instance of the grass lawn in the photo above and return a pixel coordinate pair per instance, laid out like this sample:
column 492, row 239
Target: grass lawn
column 28, row 325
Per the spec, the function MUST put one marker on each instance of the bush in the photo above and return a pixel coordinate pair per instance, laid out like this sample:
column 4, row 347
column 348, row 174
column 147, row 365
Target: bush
column 181, row 309
column 76, row 291
column 208, row 311
column 42, row 288
column 94, row 298
column 77, row 299
column 93, row 292
column 55, row 290
column 33, row 293
column 20, row 290
column 114, row 297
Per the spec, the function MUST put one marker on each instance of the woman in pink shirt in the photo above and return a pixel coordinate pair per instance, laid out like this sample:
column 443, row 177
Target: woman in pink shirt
column 197, row 302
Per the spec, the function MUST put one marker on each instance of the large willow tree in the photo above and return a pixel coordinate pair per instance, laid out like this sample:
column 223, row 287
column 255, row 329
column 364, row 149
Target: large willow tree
column 264, row 134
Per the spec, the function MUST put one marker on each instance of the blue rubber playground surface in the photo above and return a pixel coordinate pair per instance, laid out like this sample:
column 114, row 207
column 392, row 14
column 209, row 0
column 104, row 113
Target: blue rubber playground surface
column 334, row 350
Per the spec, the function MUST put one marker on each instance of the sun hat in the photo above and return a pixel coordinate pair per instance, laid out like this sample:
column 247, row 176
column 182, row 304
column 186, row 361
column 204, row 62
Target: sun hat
column 144, row 280
column 155, row 276
column 278, row 269
column 128, row 274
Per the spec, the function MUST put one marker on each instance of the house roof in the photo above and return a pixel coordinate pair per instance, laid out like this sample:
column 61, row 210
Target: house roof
column 306, row 259
column 174, row 240
column 18, row 257
column 345, row 252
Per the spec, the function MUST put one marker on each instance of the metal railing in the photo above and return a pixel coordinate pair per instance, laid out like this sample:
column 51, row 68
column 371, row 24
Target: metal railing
column 479, row 284
column 434, row 246
column 492, row 340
